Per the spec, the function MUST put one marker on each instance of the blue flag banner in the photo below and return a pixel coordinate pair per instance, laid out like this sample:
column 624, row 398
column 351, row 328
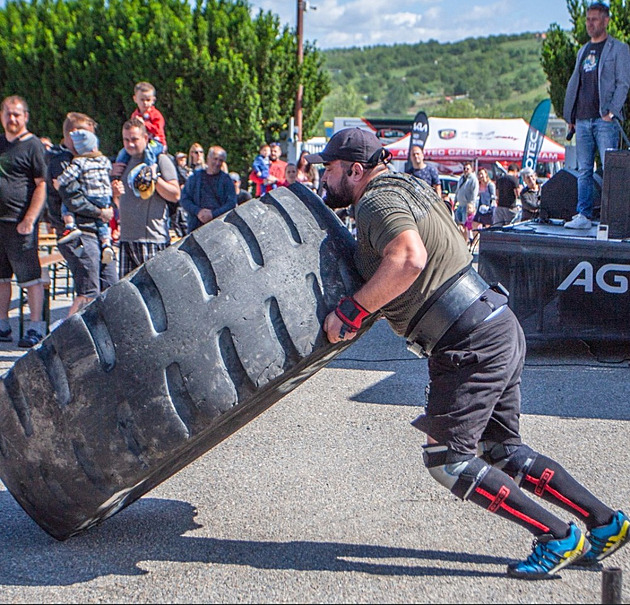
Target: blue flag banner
column 419, row 134
column 536, row 134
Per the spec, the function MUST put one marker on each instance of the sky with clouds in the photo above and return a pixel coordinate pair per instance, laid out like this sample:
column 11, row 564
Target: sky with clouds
column 345, row 23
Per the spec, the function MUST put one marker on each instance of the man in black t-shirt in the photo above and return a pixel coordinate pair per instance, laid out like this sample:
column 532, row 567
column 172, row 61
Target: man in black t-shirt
column 594, row 98
column 507, row 194
column 22, row 197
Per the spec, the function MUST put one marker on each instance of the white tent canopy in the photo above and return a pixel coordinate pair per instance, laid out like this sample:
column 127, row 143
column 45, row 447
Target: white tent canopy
column 457, row 139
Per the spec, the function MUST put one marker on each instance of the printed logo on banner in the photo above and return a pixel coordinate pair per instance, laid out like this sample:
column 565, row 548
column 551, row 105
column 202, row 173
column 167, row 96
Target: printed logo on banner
column 447, row 134
column 419, row 136
column 609, row 278
column 419, row 131
column 535, row 134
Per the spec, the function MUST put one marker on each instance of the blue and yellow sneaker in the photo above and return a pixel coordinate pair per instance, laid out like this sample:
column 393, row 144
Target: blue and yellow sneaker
column 606, row 539
column 551, row 555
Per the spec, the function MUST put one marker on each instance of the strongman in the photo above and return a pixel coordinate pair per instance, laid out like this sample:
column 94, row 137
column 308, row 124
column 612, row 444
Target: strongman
column 418, row 273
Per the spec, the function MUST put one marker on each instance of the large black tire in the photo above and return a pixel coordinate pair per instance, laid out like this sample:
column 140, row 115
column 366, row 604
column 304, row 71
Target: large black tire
column 173, row 359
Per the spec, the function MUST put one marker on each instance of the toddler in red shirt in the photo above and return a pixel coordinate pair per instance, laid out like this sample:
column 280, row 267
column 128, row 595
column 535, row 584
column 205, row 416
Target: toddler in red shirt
column 144, row 98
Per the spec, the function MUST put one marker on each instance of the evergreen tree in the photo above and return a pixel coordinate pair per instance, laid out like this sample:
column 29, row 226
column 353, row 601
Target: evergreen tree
column 221, row 76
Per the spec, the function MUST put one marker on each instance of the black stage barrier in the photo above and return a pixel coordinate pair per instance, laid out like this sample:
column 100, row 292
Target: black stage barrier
column 562, row 283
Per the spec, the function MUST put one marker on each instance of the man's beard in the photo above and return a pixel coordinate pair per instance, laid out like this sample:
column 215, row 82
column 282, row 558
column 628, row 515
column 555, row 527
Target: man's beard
column 340, row 198
column 13, row 128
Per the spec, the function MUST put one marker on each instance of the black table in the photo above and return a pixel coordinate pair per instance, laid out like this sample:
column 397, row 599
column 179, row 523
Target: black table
column 562, row 283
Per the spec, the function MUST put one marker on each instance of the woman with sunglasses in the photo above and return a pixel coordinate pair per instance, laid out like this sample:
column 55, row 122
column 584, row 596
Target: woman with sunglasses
column 196, row 158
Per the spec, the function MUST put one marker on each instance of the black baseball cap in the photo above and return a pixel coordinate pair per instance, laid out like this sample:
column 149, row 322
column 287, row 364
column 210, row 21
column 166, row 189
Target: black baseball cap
column 352, row 145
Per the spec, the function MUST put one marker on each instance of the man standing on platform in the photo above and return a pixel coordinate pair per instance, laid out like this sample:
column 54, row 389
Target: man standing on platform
column 594, row 98
column 22, row 197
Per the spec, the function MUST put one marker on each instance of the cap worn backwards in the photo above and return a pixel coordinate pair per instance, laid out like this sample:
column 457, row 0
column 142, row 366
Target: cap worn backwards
column 352, row 145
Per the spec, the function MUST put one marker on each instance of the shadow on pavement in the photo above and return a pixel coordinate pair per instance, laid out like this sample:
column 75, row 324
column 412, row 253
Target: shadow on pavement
column 152, row 530
column 573, row 379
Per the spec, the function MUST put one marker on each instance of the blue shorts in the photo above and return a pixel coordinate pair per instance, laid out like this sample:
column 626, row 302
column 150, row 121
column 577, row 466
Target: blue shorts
column 19, row 255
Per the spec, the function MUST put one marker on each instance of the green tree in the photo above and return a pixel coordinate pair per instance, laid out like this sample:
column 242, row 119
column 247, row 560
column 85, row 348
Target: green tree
column 462, row 108
column 343, row 102
column 397, row 99
column 558, row 59
column 222, row 76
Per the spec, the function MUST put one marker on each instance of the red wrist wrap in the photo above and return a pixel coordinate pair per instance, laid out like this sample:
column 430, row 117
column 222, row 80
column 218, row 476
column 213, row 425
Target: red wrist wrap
column 351, row 313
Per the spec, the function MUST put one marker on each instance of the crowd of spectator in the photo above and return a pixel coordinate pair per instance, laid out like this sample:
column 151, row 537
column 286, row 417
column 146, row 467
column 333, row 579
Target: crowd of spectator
column 479, row 201
column 110, row 215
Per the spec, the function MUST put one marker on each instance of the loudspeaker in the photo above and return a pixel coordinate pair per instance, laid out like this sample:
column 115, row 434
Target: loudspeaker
column 616, row 194
column 558, row 196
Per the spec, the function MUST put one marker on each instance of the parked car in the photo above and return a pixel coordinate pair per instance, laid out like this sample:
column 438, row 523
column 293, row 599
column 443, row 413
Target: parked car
column 389, row 135
column 449, row 185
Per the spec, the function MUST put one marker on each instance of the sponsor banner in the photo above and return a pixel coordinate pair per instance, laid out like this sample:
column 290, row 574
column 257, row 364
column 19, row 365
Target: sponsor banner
column 458, row 153
column 418, row 136
column 575, row 287
column 535, row 134
column 460, row 139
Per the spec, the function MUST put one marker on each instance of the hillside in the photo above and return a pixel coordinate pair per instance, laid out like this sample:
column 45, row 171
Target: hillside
column 497, row 76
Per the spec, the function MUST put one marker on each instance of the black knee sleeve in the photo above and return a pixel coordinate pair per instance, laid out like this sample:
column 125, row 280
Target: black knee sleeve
column 457, row 472
column 513, row 460
column 473, row 479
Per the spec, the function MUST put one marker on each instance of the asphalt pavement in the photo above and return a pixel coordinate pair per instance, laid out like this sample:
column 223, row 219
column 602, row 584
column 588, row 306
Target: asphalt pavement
column 324, row 498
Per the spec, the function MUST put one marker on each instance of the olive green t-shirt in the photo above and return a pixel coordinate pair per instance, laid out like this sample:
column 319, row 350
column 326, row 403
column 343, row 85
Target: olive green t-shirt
column 396, row 202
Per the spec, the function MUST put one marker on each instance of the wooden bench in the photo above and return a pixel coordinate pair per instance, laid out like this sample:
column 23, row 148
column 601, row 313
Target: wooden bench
column 47, row 243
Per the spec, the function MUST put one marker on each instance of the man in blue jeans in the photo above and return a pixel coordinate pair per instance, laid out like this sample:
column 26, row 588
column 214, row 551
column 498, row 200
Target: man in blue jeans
column 83, row 254
column 594, row 98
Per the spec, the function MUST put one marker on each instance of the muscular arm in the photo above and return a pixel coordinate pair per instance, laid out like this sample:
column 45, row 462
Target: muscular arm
column 404, row 258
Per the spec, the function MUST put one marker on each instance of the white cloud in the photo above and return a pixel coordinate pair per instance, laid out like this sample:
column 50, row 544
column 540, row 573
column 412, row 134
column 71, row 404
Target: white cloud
column 343, row 23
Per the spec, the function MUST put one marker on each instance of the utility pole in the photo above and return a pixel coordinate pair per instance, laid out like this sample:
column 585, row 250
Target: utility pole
column 301, row 7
